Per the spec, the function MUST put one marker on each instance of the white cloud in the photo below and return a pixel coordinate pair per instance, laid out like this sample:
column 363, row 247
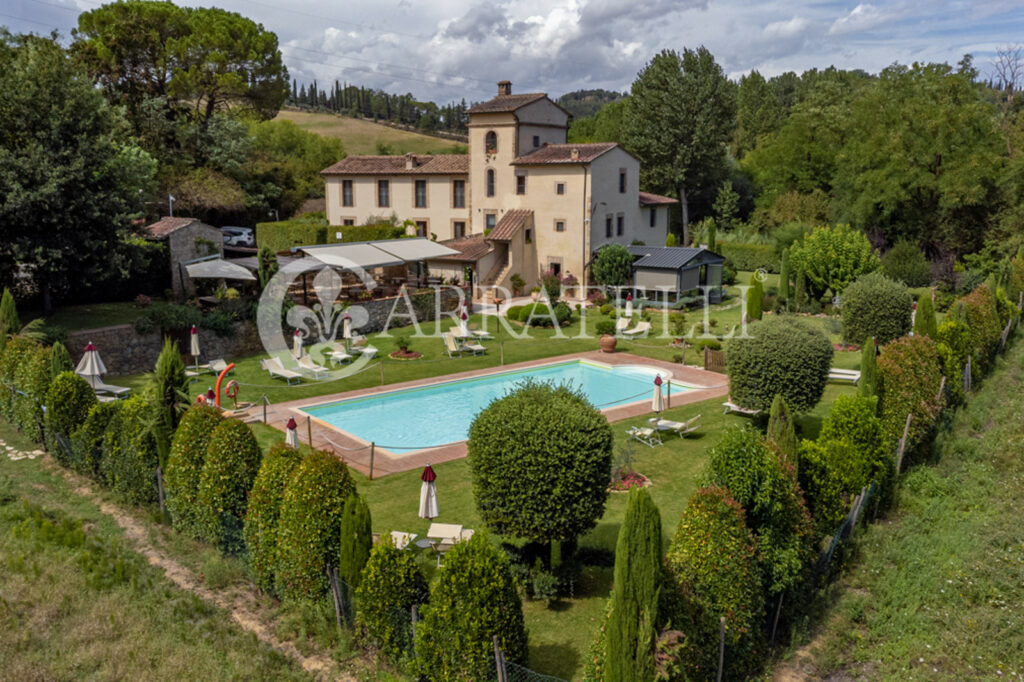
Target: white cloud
column 862, row 18
column 793, row 28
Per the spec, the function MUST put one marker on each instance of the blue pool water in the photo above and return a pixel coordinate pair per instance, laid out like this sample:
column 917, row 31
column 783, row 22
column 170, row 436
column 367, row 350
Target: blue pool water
column 429, row 416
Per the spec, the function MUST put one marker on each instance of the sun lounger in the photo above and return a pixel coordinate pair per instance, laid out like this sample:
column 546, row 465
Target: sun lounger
column 835, row 374
column 306, row 363
column 443, row 537
column 621, row 324
column 645, row 435
column 475, row 347
column 640, row 331
column 481, row 333
column 117, row 391
column 276, row 369
column 451, row 345
column 336, row 353
column 105, row 398
column 681, row 429
column 733, row 407
column 402, row 540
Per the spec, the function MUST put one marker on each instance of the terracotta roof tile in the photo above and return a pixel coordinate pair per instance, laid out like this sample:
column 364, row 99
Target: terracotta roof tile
column 648, row 199
column 471, row 249
column 166, row 225
column 509, row 224
column 440, row 164
column 505, row 103
column 563, row 153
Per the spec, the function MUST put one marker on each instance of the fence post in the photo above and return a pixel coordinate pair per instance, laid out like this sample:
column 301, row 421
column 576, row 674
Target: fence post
column 967, row 376
column 942, row 388
column 903, row 444
column 332, row 579
column 264, row 408
column 775, row 623
column 309, row 431
column 382, row 372
column 721, row 648
column 415, row 619
column 373, row 448
column 160, row 490
column 668, row 396
column 499, row 660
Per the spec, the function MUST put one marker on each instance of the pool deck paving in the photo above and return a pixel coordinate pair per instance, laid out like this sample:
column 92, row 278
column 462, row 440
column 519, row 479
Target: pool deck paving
column 357, row 453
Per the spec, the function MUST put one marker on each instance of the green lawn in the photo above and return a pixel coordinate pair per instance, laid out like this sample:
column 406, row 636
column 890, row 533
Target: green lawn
column 935, row 591
column 92, row 315
column 359, row 136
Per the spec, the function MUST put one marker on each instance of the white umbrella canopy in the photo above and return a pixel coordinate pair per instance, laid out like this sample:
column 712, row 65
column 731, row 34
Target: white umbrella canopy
column 428, row 494
column 291, row 434
column 629, row 305
column 91, row 366
column 658, row 400
column 194, row 342
column 297, row 345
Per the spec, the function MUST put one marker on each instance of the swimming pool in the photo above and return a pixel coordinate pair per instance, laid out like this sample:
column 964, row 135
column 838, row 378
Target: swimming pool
column 439, row 414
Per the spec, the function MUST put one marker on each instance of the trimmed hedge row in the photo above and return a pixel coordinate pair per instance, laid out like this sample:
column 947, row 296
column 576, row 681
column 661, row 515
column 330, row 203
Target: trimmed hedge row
column 750, row 256
column 284, row 234
column 264, row 512
column 232, row 461
column 185, row 466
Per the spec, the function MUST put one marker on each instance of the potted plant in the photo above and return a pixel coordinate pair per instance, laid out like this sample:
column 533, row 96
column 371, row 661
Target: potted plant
column 570, row 282
column 517, row 284
column 606, row 328
column 535, row 293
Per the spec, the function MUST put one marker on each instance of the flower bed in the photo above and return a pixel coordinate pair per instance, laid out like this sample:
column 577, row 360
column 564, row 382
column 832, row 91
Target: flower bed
column 623, row 481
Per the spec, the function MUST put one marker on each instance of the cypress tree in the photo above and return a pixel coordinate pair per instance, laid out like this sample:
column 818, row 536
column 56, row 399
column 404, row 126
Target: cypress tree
column 781, row 431
column 924, row 319
column 868, row 369
column 755, row 295
column 356, row 540
column 9, row 323
column 784, row 277
column 711, row 235
column 631, row 630
column 60, row 360
column 169, row 385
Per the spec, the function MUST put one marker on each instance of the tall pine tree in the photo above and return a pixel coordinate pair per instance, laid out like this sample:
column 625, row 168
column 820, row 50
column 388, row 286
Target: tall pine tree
column 356, row 540
column 781, row 430
column 924, row 318
column 868, row 384
column 632, row 628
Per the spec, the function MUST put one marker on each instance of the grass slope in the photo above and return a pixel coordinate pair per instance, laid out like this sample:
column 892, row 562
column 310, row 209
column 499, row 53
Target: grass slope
column 936, row 592
column 361, row 137
column 55, row 623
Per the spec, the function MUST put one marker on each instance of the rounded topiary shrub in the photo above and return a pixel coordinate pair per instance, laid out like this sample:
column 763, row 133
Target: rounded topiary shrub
column 130, row 459
column 87, row 440
column 474, row 598
column 767, row 489
column 68, row 401
column 713, row 558
column 909, row 376
column 185, row 465
column 540, row 459
column 32, row 378
column 780, row 356
column 979, row 312
column 392, row 584
column 563, row 313
column 906, row 263
column 540, row 314
column 877, row 306
column 10, row 360
column 264, row 512
column 231, row 464
column 308, row 530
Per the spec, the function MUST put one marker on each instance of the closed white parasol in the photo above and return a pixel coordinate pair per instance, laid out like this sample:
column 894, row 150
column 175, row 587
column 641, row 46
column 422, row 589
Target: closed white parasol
column 658, row 401
column 428, row 494
column 90, row 367
column 291, row 433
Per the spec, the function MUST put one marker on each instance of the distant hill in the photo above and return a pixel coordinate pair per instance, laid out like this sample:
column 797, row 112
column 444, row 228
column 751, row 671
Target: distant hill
column 359, row 136
column 583, row 103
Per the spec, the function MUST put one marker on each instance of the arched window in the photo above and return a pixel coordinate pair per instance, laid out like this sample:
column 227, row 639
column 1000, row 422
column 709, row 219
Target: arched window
column 490, row 182
column 491, row 141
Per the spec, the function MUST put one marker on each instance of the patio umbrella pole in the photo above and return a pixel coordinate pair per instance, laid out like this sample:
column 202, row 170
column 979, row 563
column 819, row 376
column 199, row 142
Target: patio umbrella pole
column 373, row 447
column 309, row 430
column 668, row 396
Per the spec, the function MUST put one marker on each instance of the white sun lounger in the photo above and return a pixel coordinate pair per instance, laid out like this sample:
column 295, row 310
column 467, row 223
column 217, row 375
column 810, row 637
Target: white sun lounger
column 276, row 369
column 401, row 539
column 644, row 434
column 640, row 331
column 681, row 429
column 451, row 345
column 835, row 374
column 621, row 324
column 475, row 347
column 99, row 387
column 306, row 363
column 746, row 411
column 444, row 536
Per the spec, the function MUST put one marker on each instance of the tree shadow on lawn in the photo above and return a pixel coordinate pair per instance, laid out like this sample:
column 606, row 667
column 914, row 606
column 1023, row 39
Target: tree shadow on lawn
column 561, row 659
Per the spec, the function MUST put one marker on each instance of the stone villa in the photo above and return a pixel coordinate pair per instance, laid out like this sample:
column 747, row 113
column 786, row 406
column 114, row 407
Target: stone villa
column 520, row 202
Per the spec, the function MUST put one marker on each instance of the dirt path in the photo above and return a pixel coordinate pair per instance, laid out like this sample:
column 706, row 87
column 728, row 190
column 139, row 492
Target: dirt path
column 320, row 666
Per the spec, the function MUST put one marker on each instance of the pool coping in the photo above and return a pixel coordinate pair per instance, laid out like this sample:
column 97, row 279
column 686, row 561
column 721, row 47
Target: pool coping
column 356, row 452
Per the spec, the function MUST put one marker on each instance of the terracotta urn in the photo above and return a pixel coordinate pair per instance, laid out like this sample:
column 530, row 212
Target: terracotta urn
column 608, row 343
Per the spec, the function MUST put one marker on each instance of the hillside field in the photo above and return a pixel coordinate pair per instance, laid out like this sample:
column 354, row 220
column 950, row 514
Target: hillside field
column 361, row 137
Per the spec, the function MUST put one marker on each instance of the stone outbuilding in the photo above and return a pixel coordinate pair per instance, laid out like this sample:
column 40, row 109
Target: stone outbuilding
column 187, row 239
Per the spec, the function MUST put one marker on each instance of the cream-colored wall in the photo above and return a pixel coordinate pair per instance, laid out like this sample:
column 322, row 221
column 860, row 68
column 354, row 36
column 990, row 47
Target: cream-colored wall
column 439, row 213
column 504, row 126
column 605, row 185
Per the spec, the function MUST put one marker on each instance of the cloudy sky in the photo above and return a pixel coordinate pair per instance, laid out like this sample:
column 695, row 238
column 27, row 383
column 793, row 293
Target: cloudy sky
column 446, row 50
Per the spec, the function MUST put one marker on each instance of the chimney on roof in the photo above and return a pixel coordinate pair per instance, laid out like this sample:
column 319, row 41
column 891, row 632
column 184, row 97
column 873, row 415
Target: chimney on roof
column 504, row 88
column 575, row 154
column 410, row 161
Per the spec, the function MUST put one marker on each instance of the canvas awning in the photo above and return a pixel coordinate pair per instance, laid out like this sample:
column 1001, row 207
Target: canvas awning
column 377, row 254
column 218, row 268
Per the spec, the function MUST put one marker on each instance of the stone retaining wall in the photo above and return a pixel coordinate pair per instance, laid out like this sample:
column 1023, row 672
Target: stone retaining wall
column 124, row 351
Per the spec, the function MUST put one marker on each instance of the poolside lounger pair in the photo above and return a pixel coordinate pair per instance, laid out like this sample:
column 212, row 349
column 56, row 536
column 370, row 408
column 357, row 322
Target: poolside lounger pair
column 640, row 331
column 835, row 374
column 276, row 369
column 681, row 429
column 455, row 348
column 644, row 434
